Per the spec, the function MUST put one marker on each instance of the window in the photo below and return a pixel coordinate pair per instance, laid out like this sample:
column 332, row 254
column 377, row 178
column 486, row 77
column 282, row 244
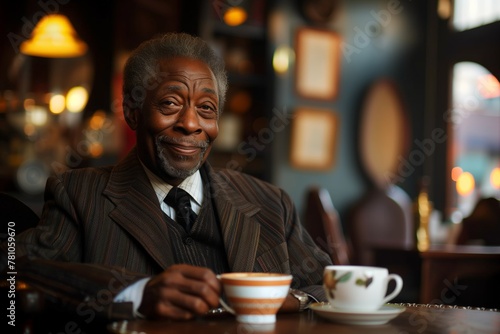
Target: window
column 468, row 14
column 475, row 146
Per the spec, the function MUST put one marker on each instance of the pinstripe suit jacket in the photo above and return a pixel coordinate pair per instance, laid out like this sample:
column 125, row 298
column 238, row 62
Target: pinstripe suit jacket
column 105, row 229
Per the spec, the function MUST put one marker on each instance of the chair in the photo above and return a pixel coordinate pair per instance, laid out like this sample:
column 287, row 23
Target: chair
column 482, row 226
column 14, row 210
column 381, row 219
column 323, row 224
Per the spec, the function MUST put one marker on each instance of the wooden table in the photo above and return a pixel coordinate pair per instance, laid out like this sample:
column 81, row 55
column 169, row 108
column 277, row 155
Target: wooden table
column 416, row 319
column 464, row 275
column 446, row 274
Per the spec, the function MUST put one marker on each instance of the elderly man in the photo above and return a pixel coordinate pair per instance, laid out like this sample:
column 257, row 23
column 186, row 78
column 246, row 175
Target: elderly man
column 148, row 236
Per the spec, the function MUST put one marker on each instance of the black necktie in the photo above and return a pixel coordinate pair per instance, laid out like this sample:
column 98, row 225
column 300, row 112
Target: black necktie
column 181, row 202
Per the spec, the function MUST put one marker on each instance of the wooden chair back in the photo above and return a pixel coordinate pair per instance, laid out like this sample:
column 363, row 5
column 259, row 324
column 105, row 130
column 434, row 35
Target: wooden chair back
column 322, row 221
column 379, row 220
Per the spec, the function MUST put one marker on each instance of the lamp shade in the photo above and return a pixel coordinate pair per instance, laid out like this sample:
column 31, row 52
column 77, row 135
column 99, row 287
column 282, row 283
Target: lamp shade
column 54, row 37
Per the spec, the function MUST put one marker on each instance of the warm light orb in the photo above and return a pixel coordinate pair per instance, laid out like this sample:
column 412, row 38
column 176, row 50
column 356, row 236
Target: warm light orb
column 282, row 58
column 57, row 104
column 97, row 120
column 455, row 173
column 465, row 184
column 495, row 177
column 37, row 116
column 54, row 37
column 28, row 103
column 76, row 99
column 235, row 16
column 444, row 9
column 96, row 149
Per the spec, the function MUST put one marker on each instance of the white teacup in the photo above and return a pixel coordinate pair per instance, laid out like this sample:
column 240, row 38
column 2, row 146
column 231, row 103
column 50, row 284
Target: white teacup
column 254, row 298
column 359, row 288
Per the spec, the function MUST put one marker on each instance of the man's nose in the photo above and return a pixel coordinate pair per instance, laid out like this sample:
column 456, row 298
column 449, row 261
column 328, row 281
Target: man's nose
column 188, row 119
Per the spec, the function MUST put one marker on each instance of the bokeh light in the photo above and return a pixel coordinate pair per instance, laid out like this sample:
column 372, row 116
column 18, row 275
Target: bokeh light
column 495, row 178
column 465, row 184
column 76, row 99
column 235, row 16
column 455, row 173
column 57, row 104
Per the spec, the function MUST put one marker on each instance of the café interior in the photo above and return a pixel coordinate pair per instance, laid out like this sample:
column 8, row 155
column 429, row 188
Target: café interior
column 381, row 119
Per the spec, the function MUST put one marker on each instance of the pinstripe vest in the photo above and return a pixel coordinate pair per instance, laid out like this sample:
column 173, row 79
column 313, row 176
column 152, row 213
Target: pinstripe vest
column 204, row 245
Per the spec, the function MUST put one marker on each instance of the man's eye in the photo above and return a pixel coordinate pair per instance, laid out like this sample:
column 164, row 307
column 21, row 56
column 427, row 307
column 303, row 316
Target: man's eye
column 207, row 111
column 207, row 108
column 168, row 106
column 168, row 103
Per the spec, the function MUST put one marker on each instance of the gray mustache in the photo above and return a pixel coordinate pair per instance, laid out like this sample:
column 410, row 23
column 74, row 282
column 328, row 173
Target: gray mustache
column 187, row 142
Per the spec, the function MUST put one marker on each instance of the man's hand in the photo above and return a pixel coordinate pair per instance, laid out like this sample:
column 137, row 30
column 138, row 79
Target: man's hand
column 291, row 304
column 181, row 292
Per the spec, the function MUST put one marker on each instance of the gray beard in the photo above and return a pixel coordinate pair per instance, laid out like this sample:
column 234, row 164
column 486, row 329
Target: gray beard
column 165, row 164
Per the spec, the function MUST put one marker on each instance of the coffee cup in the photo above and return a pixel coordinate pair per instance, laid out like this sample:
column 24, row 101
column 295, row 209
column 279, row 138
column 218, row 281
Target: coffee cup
column 254, row 298
column 359, row 288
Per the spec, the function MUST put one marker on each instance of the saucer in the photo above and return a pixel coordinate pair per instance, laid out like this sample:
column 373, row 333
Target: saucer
column 378, row 317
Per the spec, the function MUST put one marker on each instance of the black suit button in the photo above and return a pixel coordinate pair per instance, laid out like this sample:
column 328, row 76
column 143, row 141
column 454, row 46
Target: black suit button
column 188, row 241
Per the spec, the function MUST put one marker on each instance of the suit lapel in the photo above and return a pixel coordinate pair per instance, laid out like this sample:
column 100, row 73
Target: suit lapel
column 239, row 231
column 137, row 209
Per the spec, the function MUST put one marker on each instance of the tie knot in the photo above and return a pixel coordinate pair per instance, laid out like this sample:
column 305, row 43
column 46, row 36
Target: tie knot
column 178, row 198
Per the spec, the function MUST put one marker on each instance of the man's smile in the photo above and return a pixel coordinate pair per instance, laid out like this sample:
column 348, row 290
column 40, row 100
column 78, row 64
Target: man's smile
column 185, row 149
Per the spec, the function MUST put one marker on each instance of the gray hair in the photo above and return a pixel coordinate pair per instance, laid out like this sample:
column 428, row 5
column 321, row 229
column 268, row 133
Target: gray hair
column 141, row 69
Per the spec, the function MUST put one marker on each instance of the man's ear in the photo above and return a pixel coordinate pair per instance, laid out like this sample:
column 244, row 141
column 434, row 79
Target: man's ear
column 131, row 116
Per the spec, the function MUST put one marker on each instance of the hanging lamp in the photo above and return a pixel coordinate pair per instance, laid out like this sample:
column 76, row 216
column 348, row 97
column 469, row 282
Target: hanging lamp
column 54, row 37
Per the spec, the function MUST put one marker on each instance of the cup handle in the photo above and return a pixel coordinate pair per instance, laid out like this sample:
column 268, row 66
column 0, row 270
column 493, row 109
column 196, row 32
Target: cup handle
column 224, row 304
column 397, row 289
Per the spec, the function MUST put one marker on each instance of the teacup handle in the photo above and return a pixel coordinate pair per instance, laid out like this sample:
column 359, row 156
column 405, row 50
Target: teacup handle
column 397, row 289
column 224, row 304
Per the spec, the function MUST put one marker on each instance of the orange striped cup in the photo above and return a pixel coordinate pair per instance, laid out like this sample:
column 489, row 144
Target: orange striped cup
column 254, row 297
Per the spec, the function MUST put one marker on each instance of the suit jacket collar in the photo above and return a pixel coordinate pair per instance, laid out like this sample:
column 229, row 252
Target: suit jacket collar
column 132, row 194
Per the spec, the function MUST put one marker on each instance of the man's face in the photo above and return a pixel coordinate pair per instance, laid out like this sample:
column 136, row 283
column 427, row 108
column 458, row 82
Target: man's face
column 178, row 122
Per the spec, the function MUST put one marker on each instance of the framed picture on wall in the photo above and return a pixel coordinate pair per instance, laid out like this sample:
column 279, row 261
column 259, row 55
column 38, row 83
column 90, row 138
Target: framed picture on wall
column 317, row 63
column 313, row 142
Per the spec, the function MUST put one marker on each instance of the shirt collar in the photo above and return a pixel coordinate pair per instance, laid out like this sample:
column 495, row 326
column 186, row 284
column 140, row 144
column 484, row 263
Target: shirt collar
column 192, row 184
